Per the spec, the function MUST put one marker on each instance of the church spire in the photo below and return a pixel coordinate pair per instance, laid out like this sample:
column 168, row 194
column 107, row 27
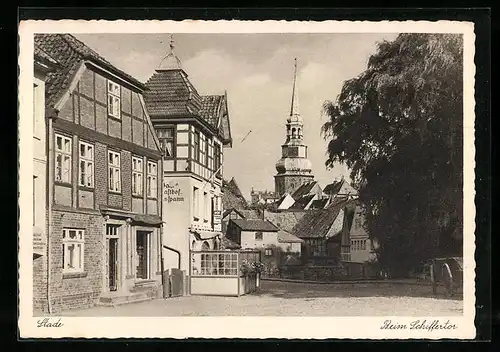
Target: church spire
column 294, row 110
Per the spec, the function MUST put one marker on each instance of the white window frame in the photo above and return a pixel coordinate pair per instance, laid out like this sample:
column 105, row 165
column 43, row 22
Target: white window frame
column 114, row 99
column 207, row 204
column 137, row 175
column 196, row 202
column 64, row 155
column 87, row 169
column 114, row 172
column 77, row 243
column 152, row 179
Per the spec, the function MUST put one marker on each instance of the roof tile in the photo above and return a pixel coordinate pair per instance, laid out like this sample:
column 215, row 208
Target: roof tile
column 316, row 223
column 69, row 52
column 255, row 225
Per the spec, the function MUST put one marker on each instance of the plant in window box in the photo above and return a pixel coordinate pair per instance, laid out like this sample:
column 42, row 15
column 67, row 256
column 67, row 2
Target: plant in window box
column 245, row 268
column 258, row 267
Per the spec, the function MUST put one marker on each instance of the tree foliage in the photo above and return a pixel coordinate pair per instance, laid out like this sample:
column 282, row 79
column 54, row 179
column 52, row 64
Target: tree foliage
column 398, row 127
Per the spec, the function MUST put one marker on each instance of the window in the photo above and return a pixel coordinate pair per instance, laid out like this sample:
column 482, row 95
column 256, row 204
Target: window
column 112, row 230
column 318, row 248
column 114, row 171
column 215, row 264
column 217, row 159
column 63, row 159
column 113, row 99
column 258, row 236
column 206, row 152
column 152, row 179
column 86, row 165
column 207, row 205
column 195, row 203
column 137, row 173
column 293, row 151
column 268, row 252
column 166, row 138
column 73, row 250
column 197, row 146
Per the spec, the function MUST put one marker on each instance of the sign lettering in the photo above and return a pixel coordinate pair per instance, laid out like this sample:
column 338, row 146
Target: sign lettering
column 172, row 193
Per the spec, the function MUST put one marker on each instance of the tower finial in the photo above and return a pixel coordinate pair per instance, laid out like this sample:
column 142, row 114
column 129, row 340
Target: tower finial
column 172, row 43
column 170, row 61
column 294, row 110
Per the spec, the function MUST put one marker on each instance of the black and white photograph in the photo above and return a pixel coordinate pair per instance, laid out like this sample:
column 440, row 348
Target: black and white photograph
column 316, row 176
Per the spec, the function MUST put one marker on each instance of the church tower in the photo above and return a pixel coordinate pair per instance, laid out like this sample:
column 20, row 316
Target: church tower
column 294, row 169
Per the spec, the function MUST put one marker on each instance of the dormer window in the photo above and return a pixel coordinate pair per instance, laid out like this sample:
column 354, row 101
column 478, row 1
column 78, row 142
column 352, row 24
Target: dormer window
column 114, row 99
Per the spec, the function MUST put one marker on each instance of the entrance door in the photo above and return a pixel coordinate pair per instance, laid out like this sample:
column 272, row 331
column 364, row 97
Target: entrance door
column 113, row 263
column 143, row 254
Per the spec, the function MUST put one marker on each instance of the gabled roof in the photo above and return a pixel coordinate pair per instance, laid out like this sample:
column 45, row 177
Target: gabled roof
column 226, row 243
column 334, row 187
column 254, row 225
column 319, row 203
column 71, row 53
column 301, row 203
column 230, row 210
column 214, row 111
column 304, row 189
column 251, row 213
column 287, row 237
column 40, row 54
column 316, row 223
column 232, row 196
column 170, row 94
column 211, row 106
column 284, row 220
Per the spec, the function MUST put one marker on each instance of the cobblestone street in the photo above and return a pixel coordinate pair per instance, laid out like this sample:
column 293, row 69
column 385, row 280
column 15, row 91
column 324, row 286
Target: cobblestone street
column 296, row 299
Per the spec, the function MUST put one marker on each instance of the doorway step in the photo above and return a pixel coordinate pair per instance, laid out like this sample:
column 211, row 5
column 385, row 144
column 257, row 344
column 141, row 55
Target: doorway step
column 139, row 293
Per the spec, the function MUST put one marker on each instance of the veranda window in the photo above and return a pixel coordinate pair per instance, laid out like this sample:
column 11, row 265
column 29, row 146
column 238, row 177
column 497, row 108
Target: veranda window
column 222, row 264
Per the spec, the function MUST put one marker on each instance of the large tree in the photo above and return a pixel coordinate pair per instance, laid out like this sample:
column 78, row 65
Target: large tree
column 398, row 127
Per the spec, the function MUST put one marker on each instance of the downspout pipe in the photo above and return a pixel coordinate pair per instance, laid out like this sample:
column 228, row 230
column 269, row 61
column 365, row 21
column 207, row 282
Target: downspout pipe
column 178, row 255
column 50, row 171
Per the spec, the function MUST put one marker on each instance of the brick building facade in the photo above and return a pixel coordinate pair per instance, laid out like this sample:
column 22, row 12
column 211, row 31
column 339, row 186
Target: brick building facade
column 104, row 164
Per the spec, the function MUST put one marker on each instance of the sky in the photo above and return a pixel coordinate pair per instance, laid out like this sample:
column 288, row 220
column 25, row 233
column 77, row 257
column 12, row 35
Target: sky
column 256, row 70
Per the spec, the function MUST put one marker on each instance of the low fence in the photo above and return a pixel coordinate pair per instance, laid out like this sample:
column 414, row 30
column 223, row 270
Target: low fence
column 341, row 271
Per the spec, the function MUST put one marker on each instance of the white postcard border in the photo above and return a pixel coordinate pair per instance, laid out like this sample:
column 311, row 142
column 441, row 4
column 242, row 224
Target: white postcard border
column 242, row 327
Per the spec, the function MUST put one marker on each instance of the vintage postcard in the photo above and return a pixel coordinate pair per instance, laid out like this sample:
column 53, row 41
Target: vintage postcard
column 246, row 179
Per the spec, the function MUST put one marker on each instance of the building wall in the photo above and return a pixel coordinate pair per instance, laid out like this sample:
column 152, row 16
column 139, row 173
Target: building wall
column 248, row 240
column 39, row 193
column 185, row 209
column 78, row 290
column 362, row 248
column 84, row 117
column 291, row 247
column 186, row 160
column 289, row 183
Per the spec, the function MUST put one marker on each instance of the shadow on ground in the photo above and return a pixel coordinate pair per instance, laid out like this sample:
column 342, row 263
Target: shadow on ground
column 307, row 290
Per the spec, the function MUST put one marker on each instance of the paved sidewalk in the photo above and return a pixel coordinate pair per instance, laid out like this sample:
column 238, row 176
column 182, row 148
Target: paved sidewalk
column 292, row 299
